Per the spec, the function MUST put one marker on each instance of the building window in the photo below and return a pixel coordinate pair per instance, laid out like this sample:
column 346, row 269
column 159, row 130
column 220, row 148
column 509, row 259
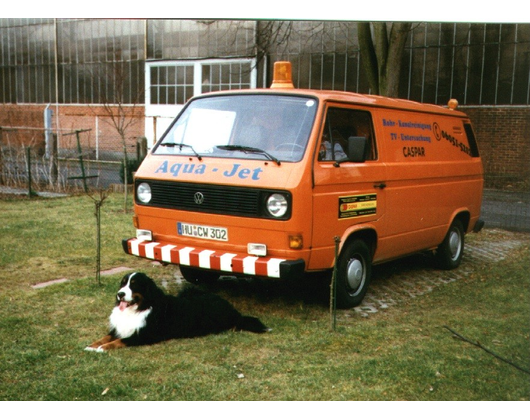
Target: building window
column 170, row 84
column 226, row 76
column 175, row 82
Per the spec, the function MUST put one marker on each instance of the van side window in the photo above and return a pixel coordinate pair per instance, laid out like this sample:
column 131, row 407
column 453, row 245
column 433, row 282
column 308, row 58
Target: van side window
column 471, row 140
column 340, row 125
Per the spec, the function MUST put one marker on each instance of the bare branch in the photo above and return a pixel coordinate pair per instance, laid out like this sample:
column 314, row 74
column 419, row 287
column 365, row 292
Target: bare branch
column 477, row 344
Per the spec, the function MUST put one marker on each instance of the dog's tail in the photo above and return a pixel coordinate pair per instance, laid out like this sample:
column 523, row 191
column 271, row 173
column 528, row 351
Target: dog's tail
column 249, row 323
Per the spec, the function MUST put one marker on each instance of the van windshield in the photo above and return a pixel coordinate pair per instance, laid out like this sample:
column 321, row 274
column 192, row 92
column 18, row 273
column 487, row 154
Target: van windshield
column 247, row 126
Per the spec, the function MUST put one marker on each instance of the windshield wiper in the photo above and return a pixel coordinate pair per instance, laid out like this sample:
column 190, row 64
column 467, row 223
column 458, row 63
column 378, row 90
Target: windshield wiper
column 248, row 149
column 181, row 146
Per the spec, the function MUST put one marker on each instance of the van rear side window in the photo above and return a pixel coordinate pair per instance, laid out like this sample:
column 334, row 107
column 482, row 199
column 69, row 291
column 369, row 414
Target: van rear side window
column 471, row 139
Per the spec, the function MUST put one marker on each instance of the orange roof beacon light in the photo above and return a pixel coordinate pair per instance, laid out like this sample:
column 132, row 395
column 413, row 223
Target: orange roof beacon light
column 282, row 78
column 452, row 104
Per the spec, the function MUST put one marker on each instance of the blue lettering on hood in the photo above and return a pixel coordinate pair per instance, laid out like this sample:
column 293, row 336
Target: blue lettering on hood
column 237, row 170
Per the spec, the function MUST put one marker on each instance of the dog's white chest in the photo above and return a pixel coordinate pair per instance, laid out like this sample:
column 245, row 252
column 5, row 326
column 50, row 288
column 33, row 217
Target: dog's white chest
column 128, row 321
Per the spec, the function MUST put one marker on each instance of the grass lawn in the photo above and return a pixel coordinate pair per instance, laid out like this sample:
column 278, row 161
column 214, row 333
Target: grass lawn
column 403, row 353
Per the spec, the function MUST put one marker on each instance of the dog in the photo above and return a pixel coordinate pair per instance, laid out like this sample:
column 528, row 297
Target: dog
column 144, row 314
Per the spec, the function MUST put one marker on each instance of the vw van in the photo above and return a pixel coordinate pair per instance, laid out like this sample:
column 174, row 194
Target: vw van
column 280, row 182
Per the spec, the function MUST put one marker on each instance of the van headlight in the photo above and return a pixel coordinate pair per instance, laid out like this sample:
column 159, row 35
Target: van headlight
column 143, row 193
column 277, row 205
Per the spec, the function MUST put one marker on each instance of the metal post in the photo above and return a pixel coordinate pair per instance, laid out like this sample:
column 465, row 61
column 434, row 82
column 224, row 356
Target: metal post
column 28, row 158
column 48, row 130
column 141, row 148
column 53, row 159
column 1, row 158
column 154, row 131
column 81, row 163
column 333, row 288
column 97, row 137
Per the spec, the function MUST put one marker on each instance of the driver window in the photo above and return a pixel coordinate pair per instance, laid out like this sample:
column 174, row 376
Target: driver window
column 340, row 125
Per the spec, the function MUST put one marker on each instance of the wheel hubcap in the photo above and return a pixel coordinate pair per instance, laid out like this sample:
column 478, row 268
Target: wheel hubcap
column 355, row 274
column 454, row 245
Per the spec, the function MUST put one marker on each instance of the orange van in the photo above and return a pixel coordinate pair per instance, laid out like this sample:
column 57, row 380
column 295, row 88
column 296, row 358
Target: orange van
column 273, row 182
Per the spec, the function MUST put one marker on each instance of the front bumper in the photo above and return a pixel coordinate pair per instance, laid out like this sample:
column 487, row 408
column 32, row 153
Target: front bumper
column 237, row 264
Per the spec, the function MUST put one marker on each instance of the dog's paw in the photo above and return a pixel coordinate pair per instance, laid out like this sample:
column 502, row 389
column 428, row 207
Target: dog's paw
column 96, row 349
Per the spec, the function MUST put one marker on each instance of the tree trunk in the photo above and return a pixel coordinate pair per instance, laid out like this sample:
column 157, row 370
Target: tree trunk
column 398, row 37
column 368, row 56
column 381, row 55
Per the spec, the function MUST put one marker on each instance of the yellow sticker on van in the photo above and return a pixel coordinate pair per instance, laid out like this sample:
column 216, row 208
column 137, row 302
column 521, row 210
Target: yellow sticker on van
column 357, row 205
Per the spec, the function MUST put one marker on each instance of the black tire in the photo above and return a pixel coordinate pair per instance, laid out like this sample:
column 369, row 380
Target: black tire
column 450, row 251
column 354, row 270
column 198, row 276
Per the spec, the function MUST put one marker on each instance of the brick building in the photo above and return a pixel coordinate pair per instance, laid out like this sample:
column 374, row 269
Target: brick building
column 504, row 136
column 87, row 70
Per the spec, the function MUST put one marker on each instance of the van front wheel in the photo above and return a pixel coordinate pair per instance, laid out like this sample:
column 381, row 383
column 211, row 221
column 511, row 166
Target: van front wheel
column 354, row 269
column 450, row 251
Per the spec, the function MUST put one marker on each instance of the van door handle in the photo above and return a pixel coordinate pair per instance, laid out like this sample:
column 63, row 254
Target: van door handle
column 380, row 185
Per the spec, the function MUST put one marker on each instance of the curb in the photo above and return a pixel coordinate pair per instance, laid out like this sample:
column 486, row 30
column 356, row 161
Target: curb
column 109, row 272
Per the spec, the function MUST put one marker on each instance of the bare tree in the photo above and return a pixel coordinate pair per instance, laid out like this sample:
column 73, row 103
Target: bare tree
column 381, row 45
column 119, row 102
column 272, row 35
column 98, row 199
column 382, row 53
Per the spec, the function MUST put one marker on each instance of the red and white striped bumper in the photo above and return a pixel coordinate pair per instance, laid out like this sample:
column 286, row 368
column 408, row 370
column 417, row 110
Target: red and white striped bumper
column 214, row 260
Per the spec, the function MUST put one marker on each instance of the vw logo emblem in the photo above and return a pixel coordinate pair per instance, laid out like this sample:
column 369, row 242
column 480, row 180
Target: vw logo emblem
column 198, row 198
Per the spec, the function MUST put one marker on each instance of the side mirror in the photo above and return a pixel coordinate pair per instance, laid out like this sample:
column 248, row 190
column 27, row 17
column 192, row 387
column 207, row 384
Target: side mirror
column 357, row 149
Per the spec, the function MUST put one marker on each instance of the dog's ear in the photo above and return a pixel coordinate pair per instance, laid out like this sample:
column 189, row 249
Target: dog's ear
column 124, row 280
column 144, row 279
column 154, row 291
column 143, row 276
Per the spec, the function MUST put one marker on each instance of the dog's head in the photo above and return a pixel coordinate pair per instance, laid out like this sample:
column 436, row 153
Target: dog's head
column 136, row 291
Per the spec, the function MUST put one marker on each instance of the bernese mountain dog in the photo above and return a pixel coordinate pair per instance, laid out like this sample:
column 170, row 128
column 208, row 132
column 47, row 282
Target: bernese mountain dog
column 144, row 314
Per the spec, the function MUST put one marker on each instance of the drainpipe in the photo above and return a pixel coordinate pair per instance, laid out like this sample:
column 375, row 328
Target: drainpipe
column 48, row 130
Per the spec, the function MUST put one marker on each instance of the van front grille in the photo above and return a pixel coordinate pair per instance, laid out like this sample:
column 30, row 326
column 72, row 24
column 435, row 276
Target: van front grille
column 206, row 198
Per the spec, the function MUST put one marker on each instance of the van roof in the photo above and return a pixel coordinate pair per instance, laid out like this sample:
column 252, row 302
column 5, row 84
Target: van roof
column 351, row 97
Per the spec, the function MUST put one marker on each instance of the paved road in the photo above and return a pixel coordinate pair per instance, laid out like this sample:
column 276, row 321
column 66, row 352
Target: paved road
column 21, row 191
column 99, row 174
column 399, row 281
column 500, row 209
column 506, row 210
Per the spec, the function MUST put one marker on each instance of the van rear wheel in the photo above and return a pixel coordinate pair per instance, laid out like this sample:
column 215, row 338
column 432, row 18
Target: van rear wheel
column 450, row 251
column 354, row 269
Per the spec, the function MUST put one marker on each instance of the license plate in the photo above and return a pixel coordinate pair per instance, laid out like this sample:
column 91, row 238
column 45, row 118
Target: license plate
column 202, row 232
